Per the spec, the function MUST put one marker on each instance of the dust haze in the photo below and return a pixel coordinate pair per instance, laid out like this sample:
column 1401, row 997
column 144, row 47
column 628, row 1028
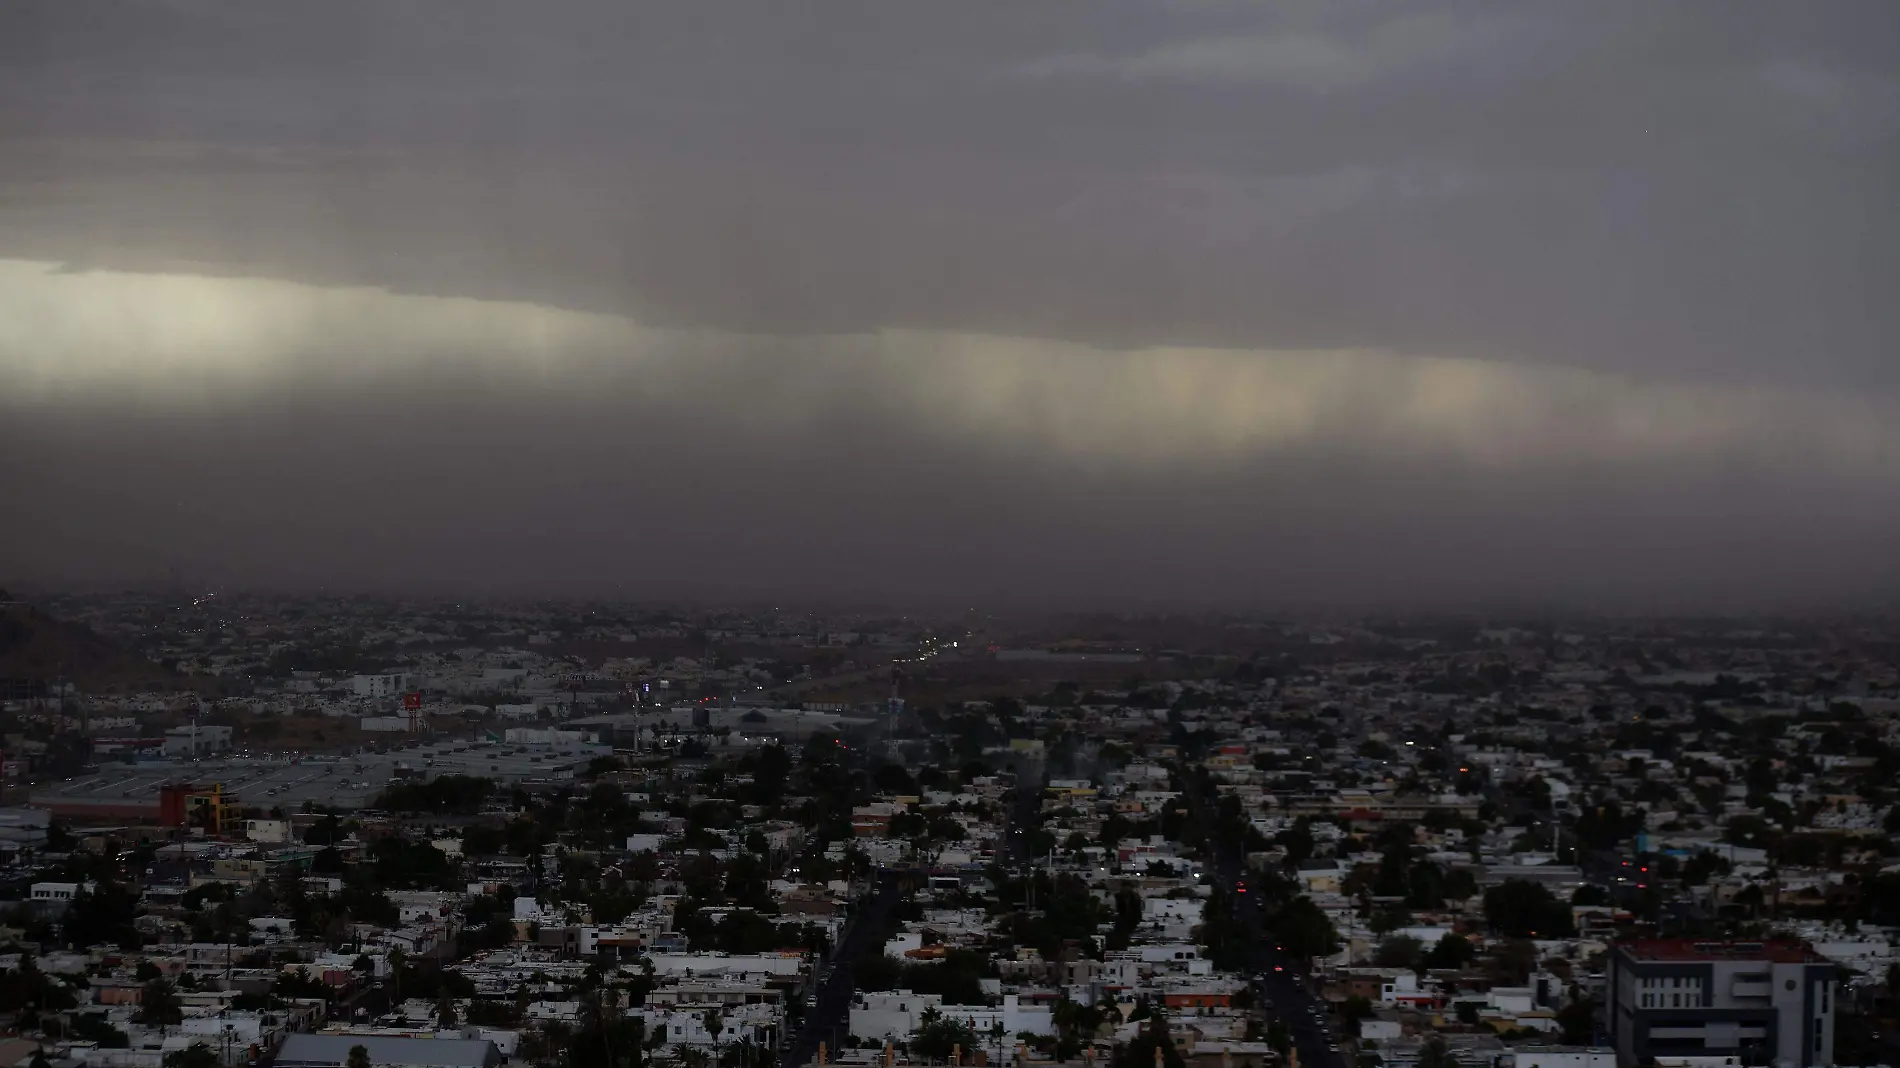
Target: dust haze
column 1164, row 305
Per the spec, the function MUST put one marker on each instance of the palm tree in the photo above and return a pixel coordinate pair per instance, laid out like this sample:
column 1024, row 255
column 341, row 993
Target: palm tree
column 1436, row 1055
column 1066, row 1016
column 604, row 1009
column 397, row 958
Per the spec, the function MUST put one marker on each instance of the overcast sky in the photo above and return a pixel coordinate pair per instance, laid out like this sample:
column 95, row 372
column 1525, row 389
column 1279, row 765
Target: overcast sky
column 1087, row 304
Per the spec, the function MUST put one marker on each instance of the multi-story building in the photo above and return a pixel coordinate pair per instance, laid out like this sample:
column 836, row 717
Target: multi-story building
column 388, row 684
column 1761, row 1003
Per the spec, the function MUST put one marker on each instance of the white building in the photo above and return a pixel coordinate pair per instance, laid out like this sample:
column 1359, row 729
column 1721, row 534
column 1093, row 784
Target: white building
column 386, row 685
column 726, row 964
column 1173, row 914
column 1399, row 986
column 687, row 1025
column 1167, row 952
column 198, row 740
column 1387, row 1031
column 274, row 832
column 539, row 736
column 1561, row 1056
column 896, row 1015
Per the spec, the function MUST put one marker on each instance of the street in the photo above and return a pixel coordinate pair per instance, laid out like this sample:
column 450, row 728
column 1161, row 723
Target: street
column 1293, row 1003
column 827, row 1020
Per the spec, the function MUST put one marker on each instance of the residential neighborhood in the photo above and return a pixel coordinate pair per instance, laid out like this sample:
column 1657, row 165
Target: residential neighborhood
column 597, row 838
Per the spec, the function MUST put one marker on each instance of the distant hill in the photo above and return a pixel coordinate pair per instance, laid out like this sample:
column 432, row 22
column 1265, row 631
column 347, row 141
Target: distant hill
column 35, row 648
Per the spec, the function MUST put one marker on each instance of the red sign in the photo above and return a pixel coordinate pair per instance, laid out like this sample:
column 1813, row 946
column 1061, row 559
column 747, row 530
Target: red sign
column 411, row 701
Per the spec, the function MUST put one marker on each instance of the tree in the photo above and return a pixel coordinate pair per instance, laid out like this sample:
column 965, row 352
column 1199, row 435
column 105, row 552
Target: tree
column 447, row 794
column 1388, row 918
column 359, row 1057
column 937, row 1036
column 481, row 840
column 196, row 1055
column 1450, row 951
column 1139, row 1052
column 92, row 1027
column 1578, row 1018
column 1434, row 1054
column 1278, row 1038
column 325, row 832
column 1523, row 909
column 537, row 1047
column 159, row 1006
column 102, row 914
column 398, row 961
column 893, row 779
column 1356, row 1008
column 1399, row 951
column 1746, row 829
column 1303, row 930
column 1075, row 1024
column 1512, row 960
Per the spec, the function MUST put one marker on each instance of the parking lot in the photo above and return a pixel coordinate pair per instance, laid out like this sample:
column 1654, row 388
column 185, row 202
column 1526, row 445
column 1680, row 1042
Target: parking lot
column 345, row 782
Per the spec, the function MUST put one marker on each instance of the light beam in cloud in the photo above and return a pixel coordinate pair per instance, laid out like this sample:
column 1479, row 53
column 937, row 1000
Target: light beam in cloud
column 182, row 340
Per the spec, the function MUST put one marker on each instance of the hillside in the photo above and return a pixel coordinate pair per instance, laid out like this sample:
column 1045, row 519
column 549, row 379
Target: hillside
column 36, row 648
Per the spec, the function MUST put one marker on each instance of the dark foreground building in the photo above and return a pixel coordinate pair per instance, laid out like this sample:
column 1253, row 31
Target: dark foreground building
column 387, row 1051
column 1760, row 1003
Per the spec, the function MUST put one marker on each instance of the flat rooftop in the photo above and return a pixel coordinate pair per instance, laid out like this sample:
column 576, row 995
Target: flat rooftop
column 1778, row 951
column 338, row 781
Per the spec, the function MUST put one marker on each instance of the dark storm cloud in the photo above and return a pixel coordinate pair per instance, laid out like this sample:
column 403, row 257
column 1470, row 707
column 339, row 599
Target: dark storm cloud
column 1168, row 302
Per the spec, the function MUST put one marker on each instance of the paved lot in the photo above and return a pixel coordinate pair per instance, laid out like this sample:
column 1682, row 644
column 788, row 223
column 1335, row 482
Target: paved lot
column 343, row 782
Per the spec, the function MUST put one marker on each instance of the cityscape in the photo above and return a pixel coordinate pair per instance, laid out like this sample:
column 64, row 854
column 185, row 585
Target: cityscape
column 1041, row 534
column 308, row 831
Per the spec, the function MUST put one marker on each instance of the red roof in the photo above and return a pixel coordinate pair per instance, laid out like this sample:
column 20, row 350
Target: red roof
column 1778, row 951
